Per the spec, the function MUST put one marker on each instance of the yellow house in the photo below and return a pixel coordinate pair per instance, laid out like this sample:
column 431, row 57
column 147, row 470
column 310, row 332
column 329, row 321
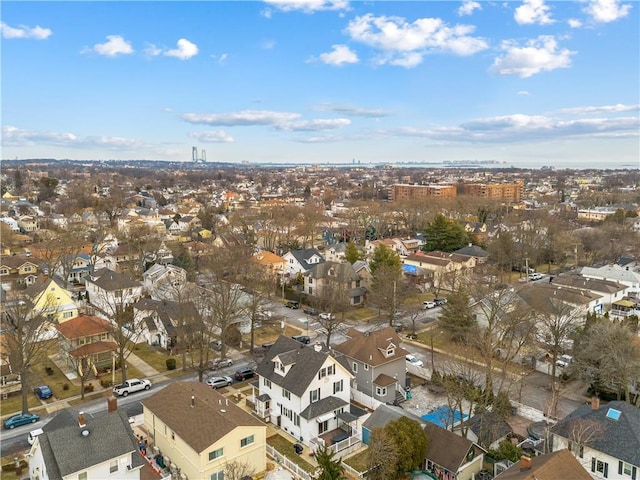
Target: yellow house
column 203, row 433
column 52, row 300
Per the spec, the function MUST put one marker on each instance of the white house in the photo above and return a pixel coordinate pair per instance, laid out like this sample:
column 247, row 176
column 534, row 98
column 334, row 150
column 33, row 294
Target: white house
column 300, row 261
column 109, row 290
column 305, row 390
column 616, row 273
column 162, row 281
column 11, row 222
column 604, row 439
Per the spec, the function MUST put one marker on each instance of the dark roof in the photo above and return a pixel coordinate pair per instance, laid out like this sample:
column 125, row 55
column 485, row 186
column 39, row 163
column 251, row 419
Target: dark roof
column 342, row 272
column 305, row 361
column 388, row 413
column 210, row 415
column 619, row 438
column 303, row 255
column 473, row 251
column 551, row 466
column 111, row 281
column 109, row 437
column 446, row 448
column 488, row 427
column 324, row 405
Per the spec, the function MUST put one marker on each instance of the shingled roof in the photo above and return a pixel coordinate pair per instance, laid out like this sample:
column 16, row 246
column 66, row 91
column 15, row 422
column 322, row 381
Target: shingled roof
column 368, row 347
column 551, row 466
column 111, row 281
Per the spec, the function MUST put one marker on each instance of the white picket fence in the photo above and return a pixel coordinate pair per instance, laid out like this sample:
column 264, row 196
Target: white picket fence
column 288, row 464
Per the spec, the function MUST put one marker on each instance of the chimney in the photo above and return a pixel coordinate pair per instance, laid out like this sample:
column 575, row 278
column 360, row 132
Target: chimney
column 317, row 347
column 193, row 401
column 81, row 421
column 112, row 404
column 595, row 403
column 525, row 463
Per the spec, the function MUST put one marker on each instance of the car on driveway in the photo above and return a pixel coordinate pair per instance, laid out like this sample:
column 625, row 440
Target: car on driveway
column 413, row 360
column 244, row 373
column 535, row 276
column 220, row 363
column 439, row 301
column 292, row 304
column 43, row 392
column 429, row 304
column 219, row 382
column 20, row 419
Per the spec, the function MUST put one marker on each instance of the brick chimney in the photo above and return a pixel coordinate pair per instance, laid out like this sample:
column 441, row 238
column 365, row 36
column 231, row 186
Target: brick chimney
column 112, row 404
column 595, row 403
column 525, row 463
column 81, row 421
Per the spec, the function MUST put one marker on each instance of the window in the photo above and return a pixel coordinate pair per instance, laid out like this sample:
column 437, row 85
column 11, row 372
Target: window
column 67, row 315
column 355, row 367
column 217, row 476
column 296, row 419
column 314, row 395
column 246, row 441
column 337, row 387
column 113, row 466
column 173, row 434
column 366, row 366
column 310, row 280
column 279, row 366
column 82, row 476
column 391, row 351
column 627, row 469
column 331, row 370
column 286, row 394
column 310, row 292
column 216, row 454
column 267, row 383
column 322, row 373
column 323, row 427
column 381, row 391
column 600, row 467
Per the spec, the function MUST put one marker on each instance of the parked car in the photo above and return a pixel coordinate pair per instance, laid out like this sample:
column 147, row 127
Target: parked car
column 20, row 419
column 413, row 360
column 302, row 338
column 219, row 382
column 132, row 385
column 439, row 301
column 310, row 311
column 326, row 316
column 292, row 304
column 220, row 363
column 429, row 304
column 244, row 373
column 43, row 392
column 535, row 276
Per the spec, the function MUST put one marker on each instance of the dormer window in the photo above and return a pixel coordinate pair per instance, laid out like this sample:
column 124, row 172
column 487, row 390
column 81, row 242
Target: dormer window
column 391, row 350
column 279, row 366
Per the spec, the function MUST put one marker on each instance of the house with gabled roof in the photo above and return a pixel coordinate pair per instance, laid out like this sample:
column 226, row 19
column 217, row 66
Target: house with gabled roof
column 378, row 363
column 200, row 431
column 334, row 276
column 78, row 446
column 51, row 299
column 161, row 320
column 605, row 439
column 163, row 281
column 383, row 415
column 550, row 466
column 272, row 263
column 616, row 273
column 301, row 261
column 608, row 290
column 109, row 290
column 86, row 341
column 305, row 390
column 18, row 270
column 450, row 456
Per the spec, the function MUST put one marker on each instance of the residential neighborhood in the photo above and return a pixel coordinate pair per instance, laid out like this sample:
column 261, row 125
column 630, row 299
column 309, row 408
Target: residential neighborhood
column 380, row 322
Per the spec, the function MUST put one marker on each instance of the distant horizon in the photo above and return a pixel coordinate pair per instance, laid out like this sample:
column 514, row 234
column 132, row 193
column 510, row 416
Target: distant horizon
column 527, row 82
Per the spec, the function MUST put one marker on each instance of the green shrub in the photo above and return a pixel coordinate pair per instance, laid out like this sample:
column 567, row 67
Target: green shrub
column 171, row 363
column 88, row 388
column 105, row 383
column 65, row 386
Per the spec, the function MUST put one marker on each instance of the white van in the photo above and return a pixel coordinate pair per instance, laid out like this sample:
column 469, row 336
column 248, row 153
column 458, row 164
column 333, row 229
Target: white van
column 33, row 434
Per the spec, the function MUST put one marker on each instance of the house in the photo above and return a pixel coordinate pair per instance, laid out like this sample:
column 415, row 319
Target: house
column 450, row 456
column 471, row 250
column 304, row 390
column 201, row 431
column 52, row 300
column 28, row 224
column 272, row 263
column 605, row 439
column 550, row 466
column 17, row 270
column 361, row 267
column 77, row 267
column 486, row 429
column 78, row 446
column 163, row 281
column 162, row 320
column 12, row 223
column 335, row 253
column 300, row 261
column 325, row 279
column 383, row 415
column 616, row 273
column 378, row 363
column 86, row 342
column 109, row 290
column 608, row 290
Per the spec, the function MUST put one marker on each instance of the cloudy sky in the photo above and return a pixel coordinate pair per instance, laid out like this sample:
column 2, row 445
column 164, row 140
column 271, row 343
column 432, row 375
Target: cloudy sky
column 530, row 83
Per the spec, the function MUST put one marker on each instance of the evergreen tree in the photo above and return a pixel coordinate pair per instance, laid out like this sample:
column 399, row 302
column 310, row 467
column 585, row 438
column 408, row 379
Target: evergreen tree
column 330, row 467
column 411, row 443
column 445, row 235
column 456, row 318
column 351, row 253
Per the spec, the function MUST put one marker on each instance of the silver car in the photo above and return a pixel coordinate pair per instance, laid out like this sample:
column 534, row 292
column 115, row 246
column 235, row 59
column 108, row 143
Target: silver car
column 219, row 382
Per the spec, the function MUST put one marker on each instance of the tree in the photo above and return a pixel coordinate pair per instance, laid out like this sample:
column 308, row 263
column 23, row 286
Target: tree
column 506, row 451
column 47, row 190
column 24, row 327
column 388, row 287
column 382, row 456
column 237, row 470
column 182, row 258
column 411, row 443
column 351, row 253
column 456, row 318
column 445, row 235
column 330, row 468
column 384, row 256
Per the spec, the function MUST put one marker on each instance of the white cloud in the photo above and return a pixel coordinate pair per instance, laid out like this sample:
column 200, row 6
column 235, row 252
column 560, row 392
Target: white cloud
column 306, row 6
column 37, row 32
column 618, row 108
column 114, row 46
column 12, row 136
column 352, row 111
column 468, row 7
column 533, row 12
column 212, row 136
column 539, row 55
column 574, row 23
column 404, row 44
column 315, row 125
column 340, row 55
column 523, row 93
column 185, row 50
column 242, row 118
column 605, row 11
column 152, row 50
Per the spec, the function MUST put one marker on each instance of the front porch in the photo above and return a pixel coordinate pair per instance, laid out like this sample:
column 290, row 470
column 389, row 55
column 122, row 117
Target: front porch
column 342, row 440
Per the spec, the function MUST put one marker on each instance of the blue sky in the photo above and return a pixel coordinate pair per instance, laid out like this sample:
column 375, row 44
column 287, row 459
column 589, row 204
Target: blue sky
column 530, row 83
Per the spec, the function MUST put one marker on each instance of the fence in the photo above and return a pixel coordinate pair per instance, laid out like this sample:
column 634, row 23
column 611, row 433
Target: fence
column 364, row 399
column 354, row 471
column 288, row 464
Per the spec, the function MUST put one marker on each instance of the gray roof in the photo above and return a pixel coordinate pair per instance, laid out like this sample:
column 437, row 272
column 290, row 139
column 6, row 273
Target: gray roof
column 111, row 281
column 488, row 427
column 618, row 438
column 324, row 405
column 342, row 272
column 612, row 272
column 388, row 413
column 473, row 251
column 110, row 436
column 303, row 255
column 586, row 283
column 305, row 361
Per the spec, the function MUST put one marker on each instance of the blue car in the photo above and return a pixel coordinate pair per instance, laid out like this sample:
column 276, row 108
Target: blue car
column 43, row 392
column 21, row 419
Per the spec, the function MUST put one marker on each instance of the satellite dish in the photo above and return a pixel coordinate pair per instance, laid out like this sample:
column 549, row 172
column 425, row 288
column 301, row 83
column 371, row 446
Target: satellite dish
column 85, row 433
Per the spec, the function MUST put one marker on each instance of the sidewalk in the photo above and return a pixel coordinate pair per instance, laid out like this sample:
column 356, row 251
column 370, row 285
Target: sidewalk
column 147, row 370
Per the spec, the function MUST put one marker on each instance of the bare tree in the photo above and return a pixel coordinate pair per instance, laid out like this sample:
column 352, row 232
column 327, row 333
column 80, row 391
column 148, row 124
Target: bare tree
column 583, row 432
column 461, row 386
column 237, row 470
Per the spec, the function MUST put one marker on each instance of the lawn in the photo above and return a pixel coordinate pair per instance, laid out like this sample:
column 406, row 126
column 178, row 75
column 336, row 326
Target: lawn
column 155, row 357
column 285, row 447
column 359, row 461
